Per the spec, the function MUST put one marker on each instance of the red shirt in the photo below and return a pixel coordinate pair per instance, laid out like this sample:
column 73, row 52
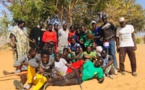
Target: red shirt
column 71, row 34
column 49, row 36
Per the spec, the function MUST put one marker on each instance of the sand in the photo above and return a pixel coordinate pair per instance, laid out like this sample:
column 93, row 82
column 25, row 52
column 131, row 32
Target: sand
column 127, row 82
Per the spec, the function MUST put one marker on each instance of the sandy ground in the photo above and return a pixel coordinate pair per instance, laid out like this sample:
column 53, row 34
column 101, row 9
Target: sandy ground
column 127, row 82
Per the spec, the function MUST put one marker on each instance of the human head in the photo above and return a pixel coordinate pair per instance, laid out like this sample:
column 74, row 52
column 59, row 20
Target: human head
column 32, row 52
column 83, row 28
column 64, row 26
column 104, row 53
column 94, row 44
column 57, row 56
column 50, row 27
column 99, row 62
column 21, row 24
column 55, row 26
column 65, row 51
column 50, row 51
column 88, row 49
column 122, row 22
column 77, row 50
column 73, row 41
column 104, row 18
column 93, row 24
column 44, row 56
column 90, row 36
column 72, row 28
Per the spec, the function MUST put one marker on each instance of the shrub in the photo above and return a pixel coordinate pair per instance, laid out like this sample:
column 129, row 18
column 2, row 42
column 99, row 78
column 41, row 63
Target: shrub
column 138, row 40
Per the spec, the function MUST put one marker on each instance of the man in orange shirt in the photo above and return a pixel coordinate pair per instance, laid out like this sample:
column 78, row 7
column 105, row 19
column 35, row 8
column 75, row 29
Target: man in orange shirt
column 50, row 38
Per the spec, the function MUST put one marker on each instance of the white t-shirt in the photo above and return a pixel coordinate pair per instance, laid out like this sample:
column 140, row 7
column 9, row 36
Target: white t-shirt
column 125, row 36
column 61, row 66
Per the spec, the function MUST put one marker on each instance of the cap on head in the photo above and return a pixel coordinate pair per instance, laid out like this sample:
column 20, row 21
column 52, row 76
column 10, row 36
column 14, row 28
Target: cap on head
column 93, row 22
column 99, row 48
column 121, row 19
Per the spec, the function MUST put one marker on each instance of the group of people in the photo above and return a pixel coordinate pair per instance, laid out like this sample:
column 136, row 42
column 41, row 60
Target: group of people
column 62, row 56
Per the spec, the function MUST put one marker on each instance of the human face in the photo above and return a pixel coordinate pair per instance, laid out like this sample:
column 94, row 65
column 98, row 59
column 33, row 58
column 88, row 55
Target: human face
column 94, row 25
column 77, row 50
column 98, row 63
column 103, row 54
column 50, row 50
column 104, row 20
column 73, row 41
column 50, row 27
column 33, row 54
column 65, row 52
column 83, row 28
column 94, row 45
column 57, row 57
column 122, row 24
column 64, row 27
column 45, row 58
column 72, row 29
column 56, row 26
column 89, row 49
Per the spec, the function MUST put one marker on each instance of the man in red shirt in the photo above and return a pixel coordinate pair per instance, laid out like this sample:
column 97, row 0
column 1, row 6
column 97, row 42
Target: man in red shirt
column 50, row 38
column 71, row 33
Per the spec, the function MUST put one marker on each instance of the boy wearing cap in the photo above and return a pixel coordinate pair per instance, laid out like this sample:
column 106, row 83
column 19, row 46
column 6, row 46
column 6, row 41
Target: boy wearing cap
column 126, row 44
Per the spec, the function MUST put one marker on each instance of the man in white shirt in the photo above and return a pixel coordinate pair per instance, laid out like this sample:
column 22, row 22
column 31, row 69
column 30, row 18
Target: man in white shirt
column 126, row 44
column 63, row 38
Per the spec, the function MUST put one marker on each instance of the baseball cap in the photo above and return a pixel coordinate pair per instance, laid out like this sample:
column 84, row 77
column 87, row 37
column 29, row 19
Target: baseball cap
column 93, row 22
column 121, row 19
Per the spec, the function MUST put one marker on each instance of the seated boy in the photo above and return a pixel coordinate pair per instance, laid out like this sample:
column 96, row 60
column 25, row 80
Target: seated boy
column 89, row 54
column 63, row 67
column 68, row 55
column 91, row 70
column 108, row 66
column 39, row 71
column 22, row 66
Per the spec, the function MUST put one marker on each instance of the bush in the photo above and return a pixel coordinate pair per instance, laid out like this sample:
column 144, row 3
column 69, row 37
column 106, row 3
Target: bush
column 138, row 40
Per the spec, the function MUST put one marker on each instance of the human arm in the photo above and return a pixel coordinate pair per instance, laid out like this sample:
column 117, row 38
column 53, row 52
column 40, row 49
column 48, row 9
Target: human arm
column 21, row 61
column 133, row 37
column 109, row 63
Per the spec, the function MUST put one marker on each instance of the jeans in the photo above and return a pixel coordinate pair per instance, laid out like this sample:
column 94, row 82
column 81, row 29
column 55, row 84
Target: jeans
column 111, row 51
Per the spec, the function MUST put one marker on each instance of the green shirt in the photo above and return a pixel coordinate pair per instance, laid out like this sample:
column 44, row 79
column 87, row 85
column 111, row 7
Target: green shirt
column 84, row 38
column 92, row 54
column 90, row 71
column 75, row 59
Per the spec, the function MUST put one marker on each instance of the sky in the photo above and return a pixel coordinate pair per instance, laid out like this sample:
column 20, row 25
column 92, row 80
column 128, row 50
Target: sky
column 142, row 2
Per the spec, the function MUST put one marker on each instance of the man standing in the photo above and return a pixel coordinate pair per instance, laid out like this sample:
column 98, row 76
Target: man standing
column 108, row 31
column 36, row 37
column 63, row 38
column 126, row 44
column 19, row 41
column 49, row 38
column 96, row 33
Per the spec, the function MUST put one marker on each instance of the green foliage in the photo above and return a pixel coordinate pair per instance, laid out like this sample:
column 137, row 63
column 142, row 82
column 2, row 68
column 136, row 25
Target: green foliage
column 77, row 11
column 138, row 40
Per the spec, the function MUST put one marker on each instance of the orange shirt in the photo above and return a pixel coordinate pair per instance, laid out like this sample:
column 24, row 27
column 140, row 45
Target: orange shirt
column 49, row 36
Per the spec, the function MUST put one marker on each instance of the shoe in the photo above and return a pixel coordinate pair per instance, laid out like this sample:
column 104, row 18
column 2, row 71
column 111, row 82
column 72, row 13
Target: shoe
column 134, row 74
column 122, row 72
column 115, row 72
column 111, row 76
column 18, row 85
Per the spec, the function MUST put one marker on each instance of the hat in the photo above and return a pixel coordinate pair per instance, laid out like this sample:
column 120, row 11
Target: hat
column 122, row 19
column 93, row 22
column 99, row 48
